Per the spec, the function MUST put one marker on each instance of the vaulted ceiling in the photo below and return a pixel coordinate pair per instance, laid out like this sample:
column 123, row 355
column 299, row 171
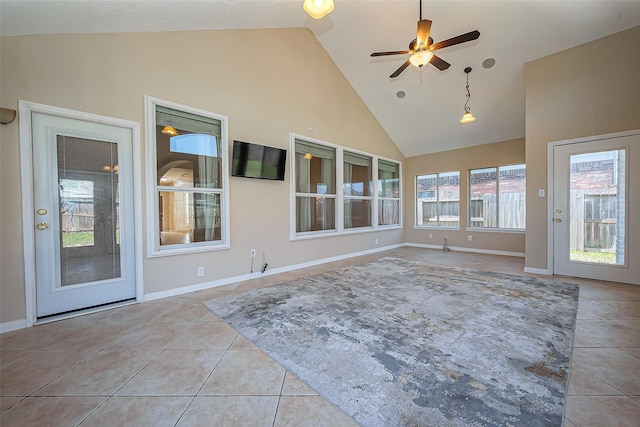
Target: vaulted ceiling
column 426, row 119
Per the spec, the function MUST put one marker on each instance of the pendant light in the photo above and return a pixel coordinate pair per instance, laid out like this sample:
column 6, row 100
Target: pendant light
column 317, row 8
column 467, row 117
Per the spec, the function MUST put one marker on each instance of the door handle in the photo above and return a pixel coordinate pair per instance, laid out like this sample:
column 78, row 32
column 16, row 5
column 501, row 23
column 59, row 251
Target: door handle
column 558, row 220
column 42, row 226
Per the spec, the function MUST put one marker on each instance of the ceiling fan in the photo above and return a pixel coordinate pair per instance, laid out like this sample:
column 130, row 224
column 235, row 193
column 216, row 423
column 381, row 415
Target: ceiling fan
column 422, row 48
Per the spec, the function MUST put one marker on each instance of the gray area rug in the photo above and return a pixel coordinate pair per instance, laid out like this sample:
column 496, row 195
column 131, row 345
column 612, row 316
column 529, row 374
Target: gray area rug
column 398, row 342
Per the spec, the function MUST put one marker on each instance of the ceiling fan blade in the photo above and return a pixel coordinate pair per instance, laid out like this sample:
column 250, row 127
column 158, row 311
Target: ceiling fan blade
column 439, row 63
column 456, row 40
column 424, row 29
column 393, row 52
column 397, row 72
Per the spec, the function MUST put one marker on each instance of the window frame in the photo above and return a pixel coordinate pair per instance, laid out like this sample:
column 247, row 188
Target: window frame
column 378, row 198
column 469, row 227
column 326, row 196
column 339, row 196
column 368, row 198
column 154, row 249
column 438, row 201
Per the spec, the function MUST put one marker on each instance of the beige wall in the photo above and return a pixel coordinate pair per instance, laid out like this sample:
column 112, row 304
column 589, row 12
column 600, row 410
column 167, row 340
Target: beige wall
column 497, row 154
column 592, row 89
column 268, row 82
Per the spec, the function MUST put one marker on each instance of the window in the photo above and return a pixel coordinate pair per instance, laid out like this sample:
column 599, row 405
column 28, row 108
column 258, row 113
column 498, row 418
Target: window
column 497, row 197
column 189, row 149
column 320, row 208
column 357, row 189
column 438, row 200
column 315, row 187
column 388, row 193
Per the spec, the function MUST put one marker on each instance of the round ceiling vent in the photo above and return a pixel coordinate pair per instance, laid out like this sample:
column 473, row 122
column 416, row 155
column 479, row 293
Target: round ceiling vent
column 489, row 62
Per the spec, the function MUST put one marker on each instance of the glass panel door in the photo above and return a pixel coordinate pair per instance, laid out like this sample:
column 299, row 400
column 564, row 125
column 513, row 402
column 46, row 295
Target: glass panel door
column 83, row 199
column 595, row 224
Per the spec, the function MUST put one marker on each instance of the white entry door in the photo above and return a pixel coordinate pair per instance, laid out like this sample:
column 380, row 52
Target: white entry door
column 83, row 213
column 596, row 208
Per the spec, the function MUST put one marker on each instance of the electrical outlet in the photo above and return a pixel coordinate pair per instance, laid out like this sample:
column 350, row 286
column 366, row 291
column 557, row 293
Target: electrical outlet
column 469, row 237
column 431, row 235
column 253, row 253
column 200, row 271
column 376, row 241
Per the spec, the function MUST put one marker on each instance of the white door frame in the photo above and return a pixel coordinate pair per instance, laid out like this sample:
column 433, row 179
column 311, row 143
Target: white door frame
column 550, row 183
column 26, row 178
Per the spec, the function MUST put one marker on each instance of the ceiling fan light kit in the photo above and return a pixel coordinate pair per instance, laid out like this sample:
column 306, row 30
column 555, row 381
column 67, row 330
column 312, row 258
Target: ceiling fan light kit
column 421, row 58
column 318, row 8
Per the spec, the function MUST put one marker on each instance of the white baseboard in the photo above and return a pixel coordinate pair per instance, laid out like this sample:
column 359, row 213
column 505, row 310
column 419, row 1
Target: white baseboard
column 236, row 279
column 461, row 249
column 13, row 325
column 22, row 323
column 543, row 271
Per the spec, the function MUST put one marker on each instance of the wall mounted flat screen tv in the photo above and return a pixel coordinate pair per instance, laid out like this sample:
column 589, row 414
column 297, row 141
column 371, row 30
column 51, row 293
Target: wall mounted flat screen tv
column 258, row 161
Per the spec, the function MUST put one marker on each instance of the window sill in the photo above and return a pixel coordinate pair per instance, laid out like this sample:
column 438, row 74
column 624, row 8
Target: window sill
column 496, row 230
column 182, row 250
column 435, row 227
column 345, row 232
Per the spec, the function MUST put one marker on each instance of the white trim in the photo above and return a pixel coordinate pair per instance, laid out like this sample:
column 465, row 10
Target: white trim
column 28, row 222
column 544, row 271
column 236, row 279
column 13, row 325
column 550, row 183
column 592, row 138
column 461, row 249
column 20, row 324
column 137, row 216
column 549, row 214
column 436, row 227
column 153, row 249
column 496, row 230
column 26, row 185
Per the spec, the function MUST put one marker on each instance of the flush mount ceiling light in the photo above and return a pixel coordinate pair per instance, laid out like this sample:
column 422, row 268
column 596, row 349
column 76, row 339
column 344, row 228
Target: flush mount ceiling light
column 467, row 117
column 170, row 130
column 317, row 8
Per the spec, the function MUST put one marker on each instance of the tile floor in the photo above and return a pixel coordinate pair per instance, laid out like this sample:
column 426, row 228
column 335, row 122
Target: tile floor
column 172, row 362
